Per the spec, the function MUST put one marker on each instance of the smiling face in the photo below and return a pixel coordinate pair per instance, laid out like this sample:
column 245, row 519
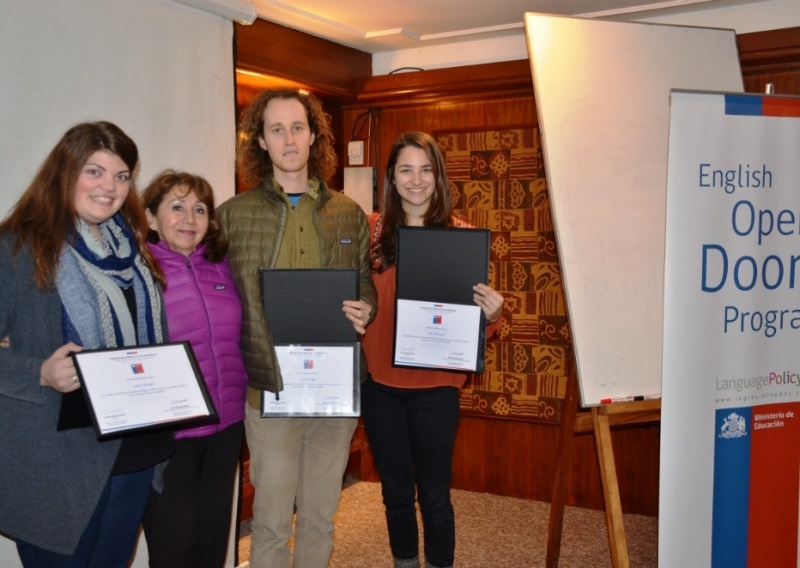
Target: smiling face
column 103, row 184
column 287, row 136
column 181, row 220
column 415, row 181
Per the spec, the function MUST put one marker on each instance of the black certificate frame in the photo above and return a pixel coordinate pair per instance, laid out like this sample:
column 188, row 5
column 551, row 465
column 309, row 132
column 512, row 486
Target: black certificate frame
column 303, row 309
column 441, row 265
column 304, row 306
column 136, row 355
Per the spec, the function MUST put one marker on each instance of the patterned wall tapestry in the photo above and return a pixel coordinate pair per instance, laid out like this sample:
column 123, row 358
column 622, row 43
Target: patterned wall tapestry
column 497, row 180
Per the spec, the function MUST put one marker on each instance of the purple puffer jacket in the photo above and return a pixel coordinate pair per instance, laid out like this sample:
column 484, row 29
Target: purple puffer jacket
column 203, row 308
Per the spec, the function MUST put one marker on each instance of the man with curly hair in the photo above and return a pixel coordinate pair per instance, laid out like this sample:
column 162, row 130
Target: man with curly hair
column 292, row 219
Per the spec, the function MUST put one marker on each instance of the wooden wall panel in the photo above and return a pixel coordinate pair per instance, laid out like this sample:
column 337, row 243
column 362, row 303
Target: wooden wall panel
column 447, row 115
column 771, row 57
column 518, row 459
column 324, row 66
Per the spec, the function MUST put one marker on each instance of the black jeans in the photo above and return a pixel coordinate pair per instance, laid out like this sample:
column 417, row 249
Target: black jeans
column 189, row 522
column 412, row 433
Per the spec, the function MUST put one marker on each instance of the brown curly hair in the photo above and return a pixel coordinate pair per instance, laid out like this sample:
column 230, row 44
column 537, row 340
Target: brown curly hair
column 254, row 162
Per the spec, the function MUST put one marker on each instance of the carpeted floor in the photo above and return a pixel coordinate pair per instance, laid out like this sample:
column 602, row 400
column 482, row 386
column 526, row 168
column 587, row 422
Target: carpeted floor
column 491, row 532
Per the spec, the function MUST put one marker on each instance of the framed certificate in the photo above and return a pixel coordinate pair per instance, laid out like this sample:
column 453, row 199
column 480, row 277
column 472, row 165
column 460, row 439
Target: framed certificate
column 319, row 380
column 437, row 323
column 317, row 347
column 438, row 335
column 132, row 389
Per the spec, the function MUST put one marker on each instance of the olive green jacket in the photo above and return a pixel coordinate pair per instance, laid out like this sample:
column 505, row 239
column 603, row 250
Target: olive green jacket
column 253, row 223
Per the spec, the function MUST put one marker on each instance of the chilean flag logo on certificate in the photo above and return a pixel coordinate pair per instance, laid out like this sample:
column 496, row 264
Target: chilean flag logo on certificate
column 437, row 320
column 137, row 368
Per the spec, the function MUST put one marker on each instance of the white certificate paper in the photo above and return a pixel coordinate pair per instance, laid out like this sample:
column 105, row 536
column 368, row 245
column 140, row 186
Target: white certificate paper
column 320, row 380
column 136, row 388
column 437, row 335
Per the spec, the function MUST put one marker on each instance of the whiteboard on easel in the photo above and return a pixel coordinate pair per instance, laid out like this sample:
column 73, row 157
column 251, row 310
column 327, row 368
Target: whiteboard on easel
column 602, row 95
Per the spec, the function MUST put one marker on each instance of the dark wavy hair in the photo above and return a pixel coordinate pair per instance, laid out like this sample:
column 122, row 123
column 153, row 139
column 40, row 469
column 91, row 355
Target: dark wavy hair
column 254, row 162
column 439, row 213
column 45, row 219
column 153, row 195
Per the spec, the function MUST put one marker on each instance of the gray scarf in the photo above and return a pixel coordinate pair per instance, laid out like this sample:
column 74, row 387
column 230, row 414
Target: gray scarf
column 90, row 279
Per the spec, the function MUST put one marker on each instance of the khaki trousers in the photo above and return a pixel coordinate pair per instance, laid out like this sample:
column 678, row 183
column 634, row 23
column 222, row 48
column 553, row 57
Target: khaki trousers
column 295, row 462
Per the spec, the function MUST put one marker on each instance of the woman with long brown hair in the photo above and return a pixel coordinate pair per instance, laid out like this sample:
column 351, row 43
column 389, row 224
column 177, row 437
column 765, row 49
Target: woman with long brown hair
column 76, row 275
column 411, row 415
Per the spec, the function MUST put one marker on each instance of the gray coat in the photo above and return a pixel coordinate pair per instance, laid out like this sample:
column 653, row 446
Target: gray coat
column 50, row 481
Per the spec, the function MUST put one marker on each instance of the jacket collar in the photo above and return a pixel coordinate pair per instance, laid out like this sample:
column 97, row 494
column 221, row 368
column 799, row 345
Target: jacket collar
column 316, row 187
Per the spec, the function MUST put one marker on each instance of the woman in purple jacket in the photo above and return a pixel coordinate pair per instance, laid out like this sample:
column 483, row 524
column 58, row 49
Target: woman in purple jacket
column 188, row 523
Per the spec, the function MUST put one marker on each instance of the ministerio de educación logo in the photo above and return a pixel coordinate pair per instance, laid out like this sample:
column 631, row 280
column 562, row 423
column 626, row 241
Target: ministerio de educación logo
column 733, row 426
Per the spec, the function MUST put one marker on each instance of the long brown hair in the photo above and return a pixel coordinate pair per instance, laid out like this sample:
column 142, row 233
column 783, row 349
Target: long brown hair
column 44, row 218
column 439, row 213
column 153, row 195
column 254, row 162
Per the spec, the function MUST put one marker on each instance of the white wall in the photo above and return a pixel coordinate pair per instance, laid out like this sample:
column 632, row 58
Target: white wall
column 161, row 71
column 761, row 16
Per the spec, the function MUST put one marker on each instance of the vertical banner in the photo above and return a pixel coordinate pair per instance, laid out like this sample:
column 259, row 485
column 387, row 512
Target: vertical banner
column 730, row 449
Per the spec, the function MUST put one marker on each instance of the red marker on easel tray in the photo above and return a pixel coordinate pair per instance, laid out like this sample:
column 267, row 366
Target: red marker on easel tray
column 621, row 399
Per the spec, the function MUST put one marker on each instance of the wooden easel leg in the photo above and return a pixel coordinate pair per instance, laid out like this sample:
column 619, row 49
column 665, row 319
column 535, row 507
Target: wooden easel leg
column 608, row 474
column 559, row 496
